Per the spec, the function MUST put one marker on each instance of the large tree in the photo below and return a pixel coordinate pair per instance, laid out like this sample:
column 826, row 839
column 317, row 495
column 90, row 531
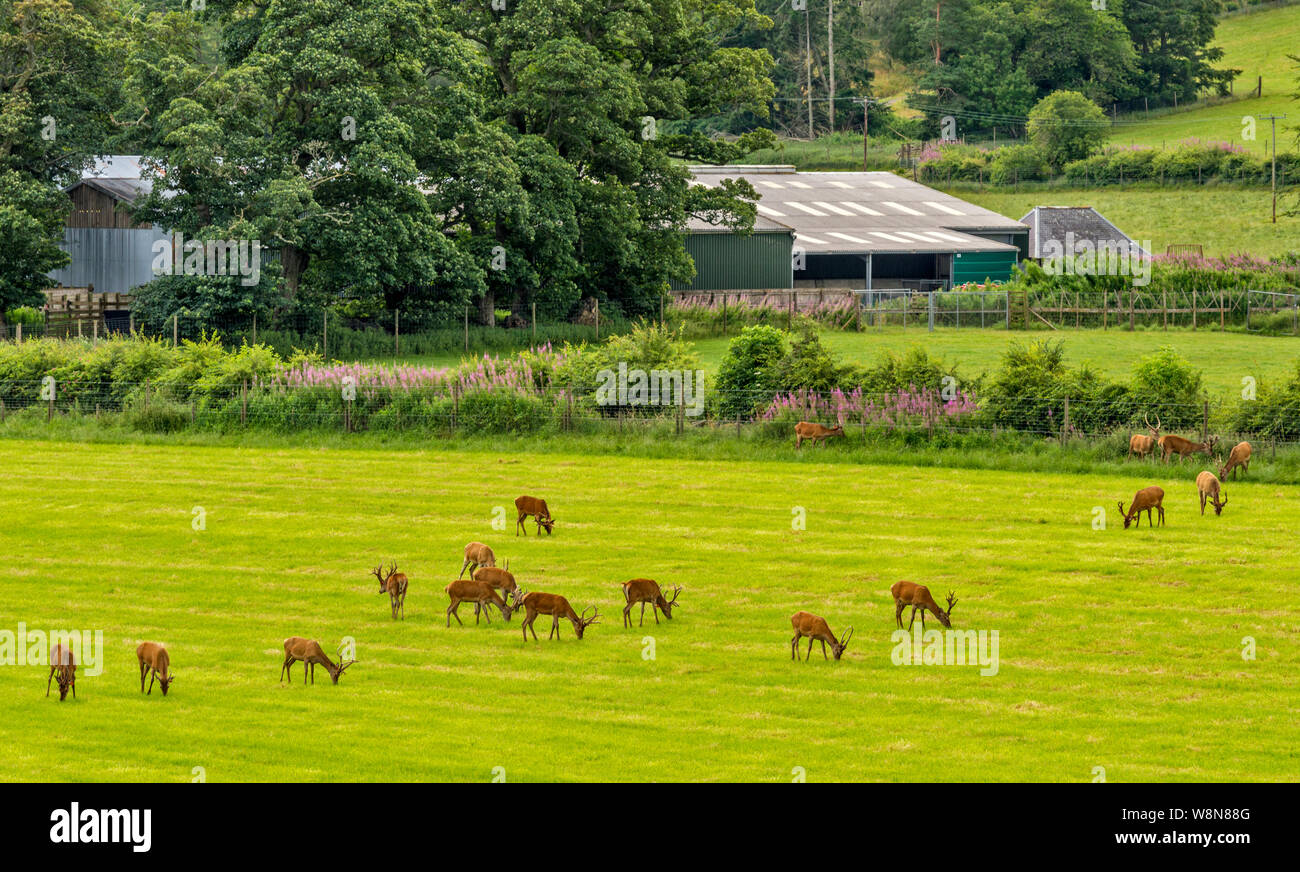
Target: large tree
column 1174, row 54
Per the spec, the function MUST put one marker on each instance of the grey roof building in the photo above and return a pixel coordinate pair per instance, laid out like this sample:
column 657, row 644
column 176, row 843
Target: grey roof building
column 1068, row 225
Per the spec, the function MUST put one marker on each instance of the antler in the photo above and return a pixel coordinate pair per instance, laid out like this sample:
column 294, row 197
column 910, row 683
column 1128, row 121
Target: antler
column 952, row 601
column 844, row 640
column 677, row 589
column 586, row 621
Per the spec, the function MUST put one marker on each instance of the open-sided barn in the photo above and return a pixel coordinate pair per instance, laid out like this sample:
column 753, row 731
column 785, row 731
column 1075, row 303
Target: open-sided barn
column 871, row 230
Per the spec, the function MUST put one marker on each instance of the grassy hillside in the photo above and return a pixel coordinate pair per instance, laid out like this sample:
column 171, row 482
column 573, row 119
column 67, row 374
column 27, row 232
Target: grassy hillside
column 1149, row 685
column 1257, row 43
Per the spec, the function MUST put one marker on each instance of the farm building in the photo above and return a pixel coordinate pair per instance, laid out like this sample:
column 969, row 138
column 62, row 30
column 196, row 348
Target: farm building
column 872, row 230
column 1061, row 228
column 109, row 253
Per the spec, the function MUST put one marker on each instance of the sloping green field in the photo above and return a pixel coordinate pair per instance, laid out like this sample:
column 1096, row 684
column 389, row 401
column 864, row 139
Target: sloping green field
column 1117, row 649
column 1258, row 44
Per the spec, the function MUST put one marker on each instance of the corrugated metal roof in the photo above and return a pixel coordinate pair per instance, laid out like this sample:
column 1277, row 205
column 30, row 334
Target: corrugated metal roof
column 857, row 213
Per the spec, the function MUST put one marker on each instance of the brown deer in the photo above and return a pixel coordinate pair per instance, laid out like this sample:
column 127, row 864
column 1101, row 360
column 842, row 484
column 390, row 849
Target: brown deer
column 156, row 662
column 477, row 554
column 557, row 607
column 63, row 666
column 536, row 508
column 814, row 432
column 310, row 653
column 816, row 629
column 907, row 593
column 1239, row 457
column 394, row 584
column 1208, row 487
column 643, row 590
column 1145, row 446
column 501, row 579
column 1144, row 500
column 1184, row 447
column 478, row 592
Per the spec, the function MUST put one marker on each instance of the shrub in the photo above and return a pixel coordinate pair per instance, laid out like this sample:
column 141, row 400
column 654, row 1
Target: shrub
column 1067, row 126
column 1017, row 163
column 749, row 375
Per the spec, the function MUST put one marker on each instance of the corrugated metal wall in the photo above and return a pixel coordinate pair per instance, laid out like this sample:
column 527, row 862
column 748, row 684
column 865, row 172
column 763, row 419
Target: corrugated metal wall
column 979, row 266
column 727, row 262
column 111, row 260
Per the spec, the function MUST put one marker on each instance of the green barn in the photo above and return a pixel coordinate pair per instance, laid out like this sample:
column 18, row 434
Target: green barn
column 849, row 231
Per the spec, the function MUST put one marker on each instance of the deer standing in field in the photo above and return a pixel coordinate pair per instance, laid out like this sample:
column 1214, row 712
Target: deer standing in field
column 1239, row 457
column 156, row 663
column 816, row 629
column 1184, row 447
column 1145, row 446
column 1144, row 500
column 477, row 554
column 63, row 666
column 394, row 584
column 500, row 579
column 1208, row 487
column 907, row 593
column 481, row 594
column 814, row 432
column 557, row 607
column 310, row 653
column 536, row 508
column 643, row 590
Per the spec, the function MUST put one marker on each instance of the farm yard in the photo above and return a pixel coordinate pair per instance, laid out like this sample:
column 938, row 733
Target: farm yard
column 1117, row 648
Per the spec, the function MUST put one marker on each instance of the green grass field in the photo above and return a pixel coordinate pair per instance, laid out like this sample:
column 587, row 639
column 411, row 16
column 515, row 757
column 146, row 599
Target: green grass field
column 1222, row 220
column 1256, row 43
column 1120, row 649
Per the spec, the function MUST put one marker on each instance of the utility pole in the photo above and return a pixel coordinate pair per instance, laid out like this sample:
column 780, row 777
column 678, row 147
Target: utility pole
column 864, row 101
column 807, row 53
column 1274, row 119
column 830, row 57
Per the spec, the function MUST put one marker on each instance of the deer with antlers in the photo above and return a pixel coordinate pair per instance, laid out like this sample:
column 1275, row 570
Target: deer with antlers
column 394, row 584
column 1145, row 446
column 1144, row 500
column 476, row 554
column 63, row 667
column 533, row 507
column 816, row 629
column 907, row 593
column 481, row 594
column 814, row 432
column 1170, row 444
column 310, row 653
column 1239, row 457
column 156, row 663
column 1207, row 485
column 643, row 591
column 557, row 607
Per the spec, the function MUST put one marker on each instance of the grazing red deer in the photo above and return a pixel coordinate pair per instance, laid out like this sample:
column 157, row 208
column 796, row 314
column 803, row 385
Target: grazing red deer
column 816, row 629
column 1240, row 456
column 1208, row 486
column 814, row 432
column 394, row 584
column 536, row 508
column 557, row 607
column 1144, row 500
column 907, row 593
column 477, row 554
column 63, row 666
column 156, row 662
column 478, row 592
column 644, row 590
column 501, row 579
column 1144, row 446
column 310, row 653
column 1184, row 447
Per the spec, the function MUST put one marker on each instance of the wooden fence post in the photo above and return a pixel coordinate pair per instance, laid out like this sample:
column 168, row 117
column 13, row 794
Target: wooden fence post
column 1065, row 425
column 243, row 404
column 1205, row 422
column 455, row 404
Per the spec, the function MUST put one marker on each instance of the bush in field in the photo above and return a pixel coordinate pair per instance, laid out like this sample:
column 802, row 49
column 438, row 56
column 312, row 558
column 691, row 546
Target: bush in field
column 1067, row 126
column 1029, row 391
column 914, row 369
column 810, row 366
column 1168, row 385
column 1018, row 163
column 1274, row 411
column 750, row 372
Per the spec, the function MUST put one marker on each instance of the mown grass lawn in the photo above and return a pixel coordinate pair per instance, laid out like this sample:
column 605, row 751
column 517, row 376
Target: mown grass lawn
column 1120, row 649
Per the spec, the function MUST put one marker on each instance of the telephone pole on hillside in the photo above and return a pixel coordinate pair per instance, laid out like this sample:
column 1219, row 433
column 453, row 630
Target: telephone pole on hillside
column 1274, row 119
